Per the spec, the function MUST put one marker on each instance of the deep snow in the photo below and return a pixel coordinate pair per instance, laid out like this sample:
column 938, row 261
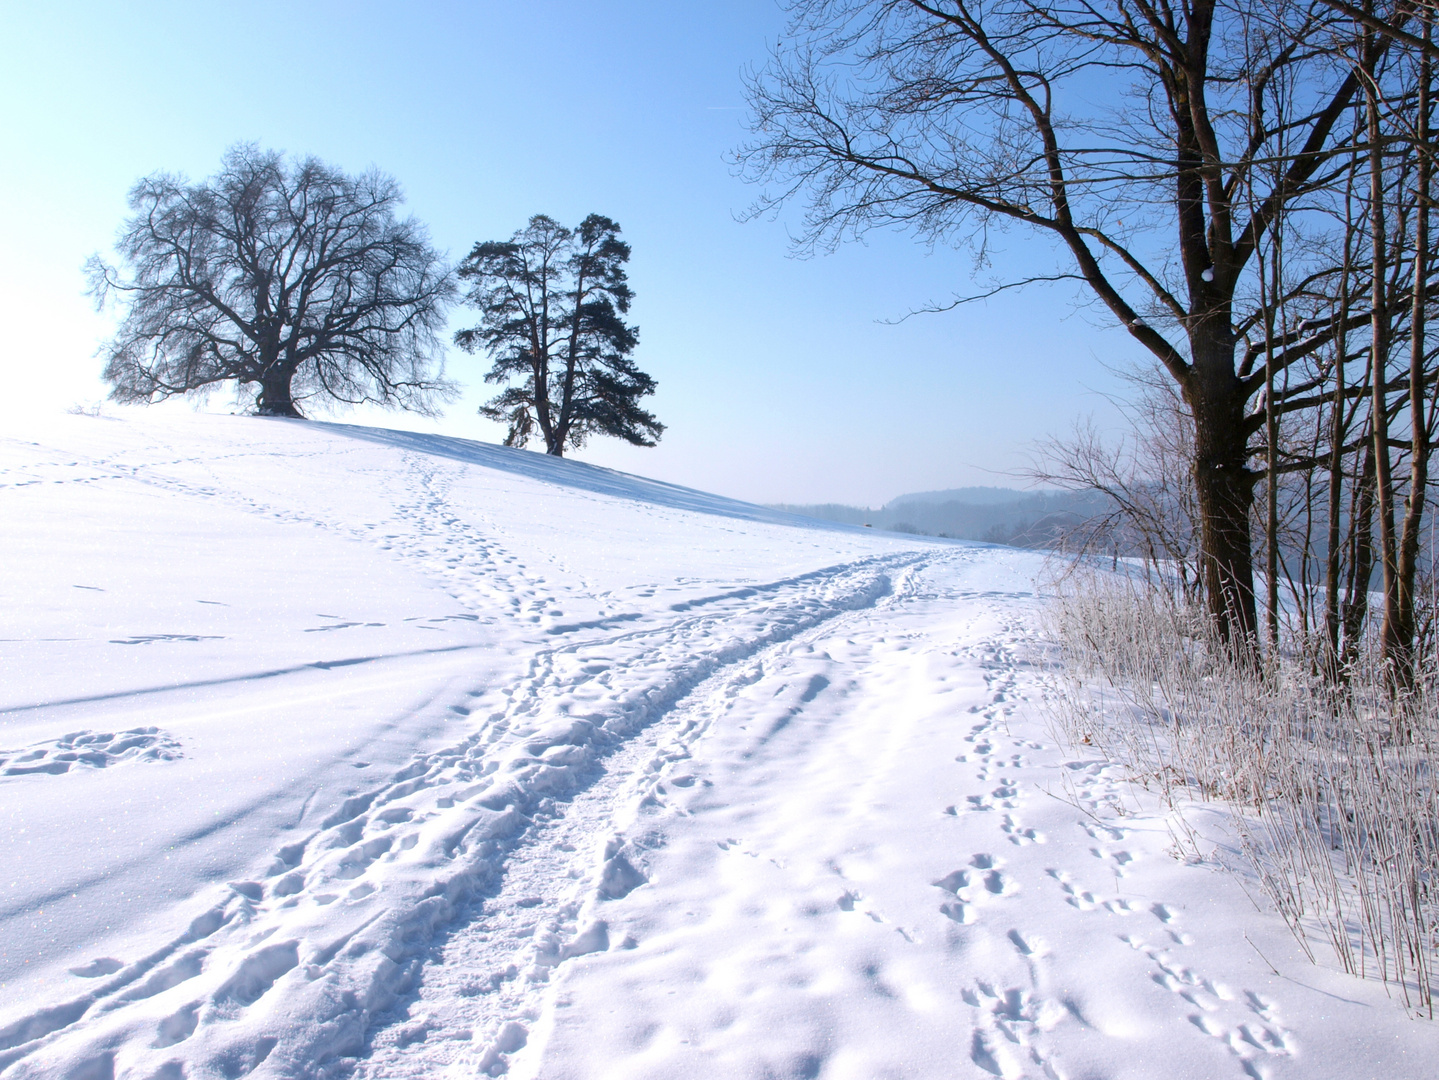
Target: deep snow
column 328, row 750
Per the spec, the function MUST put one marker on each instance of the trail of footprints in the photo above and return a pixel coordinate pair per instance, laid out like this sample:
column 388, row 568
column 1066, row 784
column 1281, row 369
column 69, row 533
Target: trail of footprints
column 422, row 528
column 1247, row 1023
column 331, row 867
column 1011, row 1022
column 477, row 1005
column 447, row 821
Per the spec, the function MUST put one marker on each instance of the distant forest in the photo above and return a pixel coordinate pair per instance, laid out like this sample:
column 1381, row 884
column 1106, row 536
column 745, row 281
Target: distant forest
column 1034, row 519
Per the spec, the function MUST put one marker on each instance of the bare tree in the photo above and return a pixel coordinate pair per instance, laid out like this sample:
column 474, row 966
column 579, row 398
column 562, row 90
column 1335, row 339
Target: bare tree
column 1400, row 608
column 1145, row 476
column 1138, row 133
column 290, row 275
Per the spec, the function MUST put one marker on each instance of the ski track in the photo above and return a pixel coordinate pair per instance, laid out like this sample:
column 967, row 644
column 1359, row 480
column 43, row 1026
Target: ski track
column 475, row 828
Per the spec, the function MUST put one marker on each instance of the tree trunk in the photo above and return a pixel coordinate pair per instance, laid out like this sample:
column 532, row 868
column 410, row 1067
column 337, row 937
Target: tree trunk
column 275, row 399
column 1337, row 432
column 1399, row 621
column 1223, row 485
column 1271, row 454
column 1361, row 562
column 1391, row 642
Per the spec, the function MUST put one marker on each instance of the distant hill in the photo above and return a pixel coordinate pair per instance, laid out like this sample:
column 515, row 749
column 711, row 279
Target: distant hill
column 998, row 515
column 971, row 496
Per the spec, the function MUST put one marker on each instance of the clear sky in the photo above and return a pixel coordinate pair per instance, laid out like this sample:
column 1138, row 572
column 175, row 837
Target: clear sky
column 781, row 379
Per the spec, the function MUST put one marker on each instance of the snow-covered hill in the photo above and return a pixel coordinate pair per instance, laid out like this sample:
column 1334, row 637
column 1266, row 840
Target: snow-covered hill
column 329, row 750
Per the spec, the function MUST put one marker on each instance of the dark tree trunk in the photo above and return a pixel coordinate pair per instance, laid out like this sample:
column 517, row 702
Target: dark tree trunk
column 1224, row 486
column 1379, row 377
column 1399, row 619
column 1361, row 563
column 1335, row 505
column 1338, row 430
column 275, row 398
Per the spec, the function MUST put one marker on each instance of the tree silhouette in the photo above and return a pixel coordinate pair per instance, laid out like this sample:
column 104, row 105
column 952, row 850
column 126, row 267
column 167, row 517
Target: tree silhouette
column 551, row 302
column 287, row 274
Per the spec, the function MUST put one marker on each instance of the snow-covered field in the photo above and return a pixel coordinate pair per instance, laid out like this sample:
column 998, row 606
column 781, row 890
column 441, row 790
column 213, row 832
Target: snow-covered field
column 336, row 751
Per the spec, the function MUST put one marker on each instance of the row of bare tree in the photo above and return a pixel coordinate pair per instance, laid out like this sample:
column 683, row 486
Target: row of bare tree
column 1246, row 185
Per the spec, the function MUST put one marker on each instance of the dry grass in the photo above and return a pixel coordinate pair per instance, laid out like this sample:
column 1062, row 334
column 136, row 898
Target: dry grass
column 1332, row 788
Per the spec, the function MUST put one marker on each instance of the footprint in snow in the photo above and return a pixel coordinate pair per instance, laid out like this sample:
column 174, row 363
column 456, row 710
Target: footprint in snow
column 90, row 750
column 1120, row 860
column 1030, row 947
column 955, row 909
column 105, row 965
column 178, row 1026
column 1075, row 897
column 1005, row 793
column 1018, row 834
column 1008, row 1041
column 996, row 884
column 1220, row 1017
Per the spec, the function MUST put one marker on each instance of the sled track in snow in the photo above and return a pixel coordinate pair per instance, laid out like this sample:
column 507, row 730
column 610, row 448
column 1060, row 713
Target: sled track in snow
column 337, row 931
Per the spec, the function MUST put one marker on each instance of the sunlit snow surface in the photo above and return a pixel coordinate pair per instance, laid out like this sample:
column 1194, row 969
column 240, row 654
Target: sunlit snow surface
column 334, row 751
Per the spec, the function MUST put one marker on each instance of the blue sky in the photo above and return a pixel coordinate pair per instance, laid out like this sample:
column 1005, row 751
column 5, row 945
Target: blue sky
column 781, row 379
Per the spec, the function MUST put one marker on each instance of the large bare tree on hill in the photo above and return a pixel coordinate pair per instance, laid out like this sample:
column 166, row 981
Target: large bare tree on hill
column 288, row 275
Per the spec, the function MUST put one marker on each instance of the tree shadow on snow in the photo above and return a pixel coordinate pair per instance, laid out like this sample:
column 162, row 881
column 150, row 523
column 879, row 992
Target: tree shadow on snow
column 563, row 472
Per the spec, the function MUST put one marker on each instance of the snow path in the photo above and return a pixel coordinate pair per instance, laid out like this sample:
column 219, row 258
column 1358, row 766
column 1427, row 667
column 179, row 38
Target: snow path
column 877, row 864
column 513, row 765
column 321, row 935
column 490, row 976
column 441, row 826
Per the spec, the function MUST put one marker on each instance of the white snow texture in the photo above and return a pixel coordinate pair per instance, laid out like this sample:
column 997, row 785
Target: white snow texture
column 335, row 751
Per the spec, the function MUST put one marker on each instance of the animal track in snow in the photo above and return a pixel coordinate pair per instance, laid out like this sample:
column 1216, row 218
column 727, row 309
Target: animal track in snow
column 1005, row 793
column 1118, row 861
column 1008, row 1039
column 1028, row 946
column 981, row 882
column 1099, row 831
column 955, row 909
column 994, row 880
column 1247, row 1024
column 1018, row 834
column 1074, row 896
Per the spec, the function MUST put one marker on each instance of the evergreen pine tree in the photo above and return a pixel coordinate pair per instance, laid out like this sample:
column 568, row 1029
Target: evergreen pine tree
column 551, row 302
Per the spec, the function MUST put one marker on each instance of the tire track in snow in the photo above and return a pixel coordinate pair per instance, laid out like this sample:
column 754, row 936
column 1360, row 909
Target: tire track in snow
column 340, row 925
